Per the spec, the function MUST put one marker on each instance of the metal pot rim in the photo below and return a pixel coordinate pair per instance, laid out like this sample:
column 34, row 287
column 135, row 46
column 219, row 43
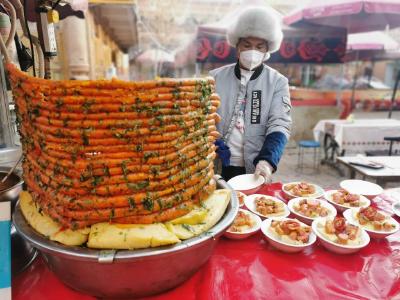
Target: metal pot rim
column 81, row 253
column 15, row 173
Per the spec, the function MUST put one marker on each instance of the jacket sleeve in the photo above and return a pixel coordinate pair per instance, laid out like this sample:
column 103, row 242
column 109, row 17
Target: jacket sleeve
column 278, row 125
column 272, row 149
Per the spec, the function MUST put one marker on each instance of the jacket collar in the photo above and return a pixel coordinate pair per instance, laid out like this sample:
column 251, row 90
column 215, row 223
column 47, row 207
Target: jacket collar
column 257, row 71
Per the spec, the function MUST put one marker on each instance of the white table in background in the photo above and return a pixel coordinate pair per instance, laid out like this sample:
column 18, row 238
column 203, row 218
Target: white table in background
column 390, row 172
column 359, row 136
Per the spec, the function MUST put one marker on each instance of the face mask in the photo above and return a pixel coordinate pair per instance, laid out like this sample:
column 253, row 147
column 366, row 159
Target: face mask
column 252, row 58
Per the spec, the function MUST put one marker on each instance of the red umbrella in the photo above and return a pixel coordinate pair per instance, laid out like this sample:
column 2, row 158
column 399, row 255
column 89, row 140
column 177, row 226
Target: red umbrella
column 354, row 15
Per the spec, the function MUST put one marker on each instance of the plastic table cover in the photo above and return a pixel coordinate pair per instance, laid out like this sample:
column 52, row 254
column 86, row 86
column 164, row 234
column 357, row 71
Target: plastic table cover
column 252, row 269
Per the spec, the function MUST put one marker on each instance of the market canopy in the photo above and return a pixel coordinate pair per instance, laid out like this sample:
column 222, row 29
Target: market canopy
column 354, row 15
column 314, row 45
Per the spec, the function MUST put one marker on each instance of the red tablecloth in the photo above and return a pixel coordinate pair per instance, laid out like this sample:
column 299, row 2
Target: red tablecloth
column 252, row 269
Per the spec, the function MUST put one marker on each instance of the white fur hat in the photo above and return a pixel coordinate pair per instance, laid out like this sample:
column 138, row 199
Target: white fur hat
column 259, row 22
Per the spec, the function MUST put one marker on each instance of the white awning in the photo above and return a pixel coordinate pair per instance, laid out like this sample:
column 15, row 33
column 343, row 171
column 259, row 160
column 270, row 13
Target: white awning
column 119, row 20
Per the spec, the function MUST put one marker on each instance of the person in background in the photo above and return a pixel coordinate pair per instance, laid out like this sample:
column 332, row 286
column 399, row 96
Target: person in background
column 255, row 101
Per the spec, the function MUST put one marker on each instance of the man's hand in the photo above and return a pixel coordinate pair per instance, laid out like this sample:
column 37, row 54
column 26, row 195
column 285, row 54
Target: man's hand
column 265, row 170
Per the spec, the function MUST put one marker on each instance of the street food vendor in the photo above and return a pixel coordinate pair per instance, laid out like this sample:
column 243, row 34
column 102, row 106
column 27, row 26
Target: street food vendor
column 255, row 101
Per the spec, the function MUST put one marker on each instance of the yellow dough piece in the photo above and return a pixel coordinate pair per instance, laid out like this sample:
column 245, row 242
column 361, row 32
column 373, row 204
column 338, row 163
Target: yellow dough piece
column 47, row 227
column 215, row 205
column 126, row 236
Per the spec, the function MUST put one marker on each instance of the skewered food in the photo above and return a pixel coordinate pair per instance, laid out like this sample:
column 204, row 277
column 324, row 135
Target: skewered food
column 114, row 151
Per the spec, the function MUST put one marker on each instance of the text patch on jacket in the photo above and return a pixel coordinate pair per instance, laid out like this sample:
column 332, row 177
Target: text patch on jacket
column 255, row 107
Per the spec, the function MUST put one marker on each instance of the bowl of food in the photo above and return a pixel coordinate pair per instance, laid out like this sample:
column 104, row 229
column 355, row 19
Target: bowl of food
column 130, row 273
column 246, row 183
column 266, row 206
column 361, row 187
column 245, row 224
column 342, row 199
column 10, row 189
column 288, row 235
column 302, row 189
column 309, row 209
column 377, row 223
column 339, row 236
column 241, row 197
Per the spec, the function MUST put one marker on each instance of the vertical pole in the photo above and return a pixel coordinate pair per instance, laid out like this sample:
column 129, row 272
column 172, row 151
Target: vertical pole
column 306, row 78
column 301, row 158
column 298, row 157
column 6, row 128
column 77, row 47
column 372, row 72
column 46, row 33
column 315, row 158
column 339, row 91
column 353, row 88
column 90, row 42
column 390, row 147
column 396, row 84
column 47, row 71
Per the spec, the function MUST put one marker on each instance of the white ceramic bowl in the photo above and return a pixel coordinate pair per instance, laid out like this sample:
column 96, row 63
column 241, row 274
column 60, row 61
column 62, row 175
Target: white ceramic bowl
column 396, row 208
column 341, row 207
column 245, row 234
column 309, row 220
column 251, row 205
column 338, row 248
column 361, row 187
column 350, row 216
column 247, row 183
column 319, row 191
column 283, row 246
column 241, row 204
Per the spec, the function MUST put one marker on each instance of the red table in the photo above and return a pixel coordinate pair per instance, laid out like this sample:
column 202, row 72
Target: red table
column 252, row 269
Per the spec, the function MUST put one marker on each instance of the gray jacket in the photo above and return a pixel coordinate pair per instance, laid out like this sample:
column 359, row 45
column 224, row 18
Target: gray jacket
column 267, row 107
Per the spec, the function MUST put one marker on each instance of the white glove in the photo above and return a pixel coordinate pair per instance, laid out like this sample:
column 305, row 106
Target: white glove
column 265, row 170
